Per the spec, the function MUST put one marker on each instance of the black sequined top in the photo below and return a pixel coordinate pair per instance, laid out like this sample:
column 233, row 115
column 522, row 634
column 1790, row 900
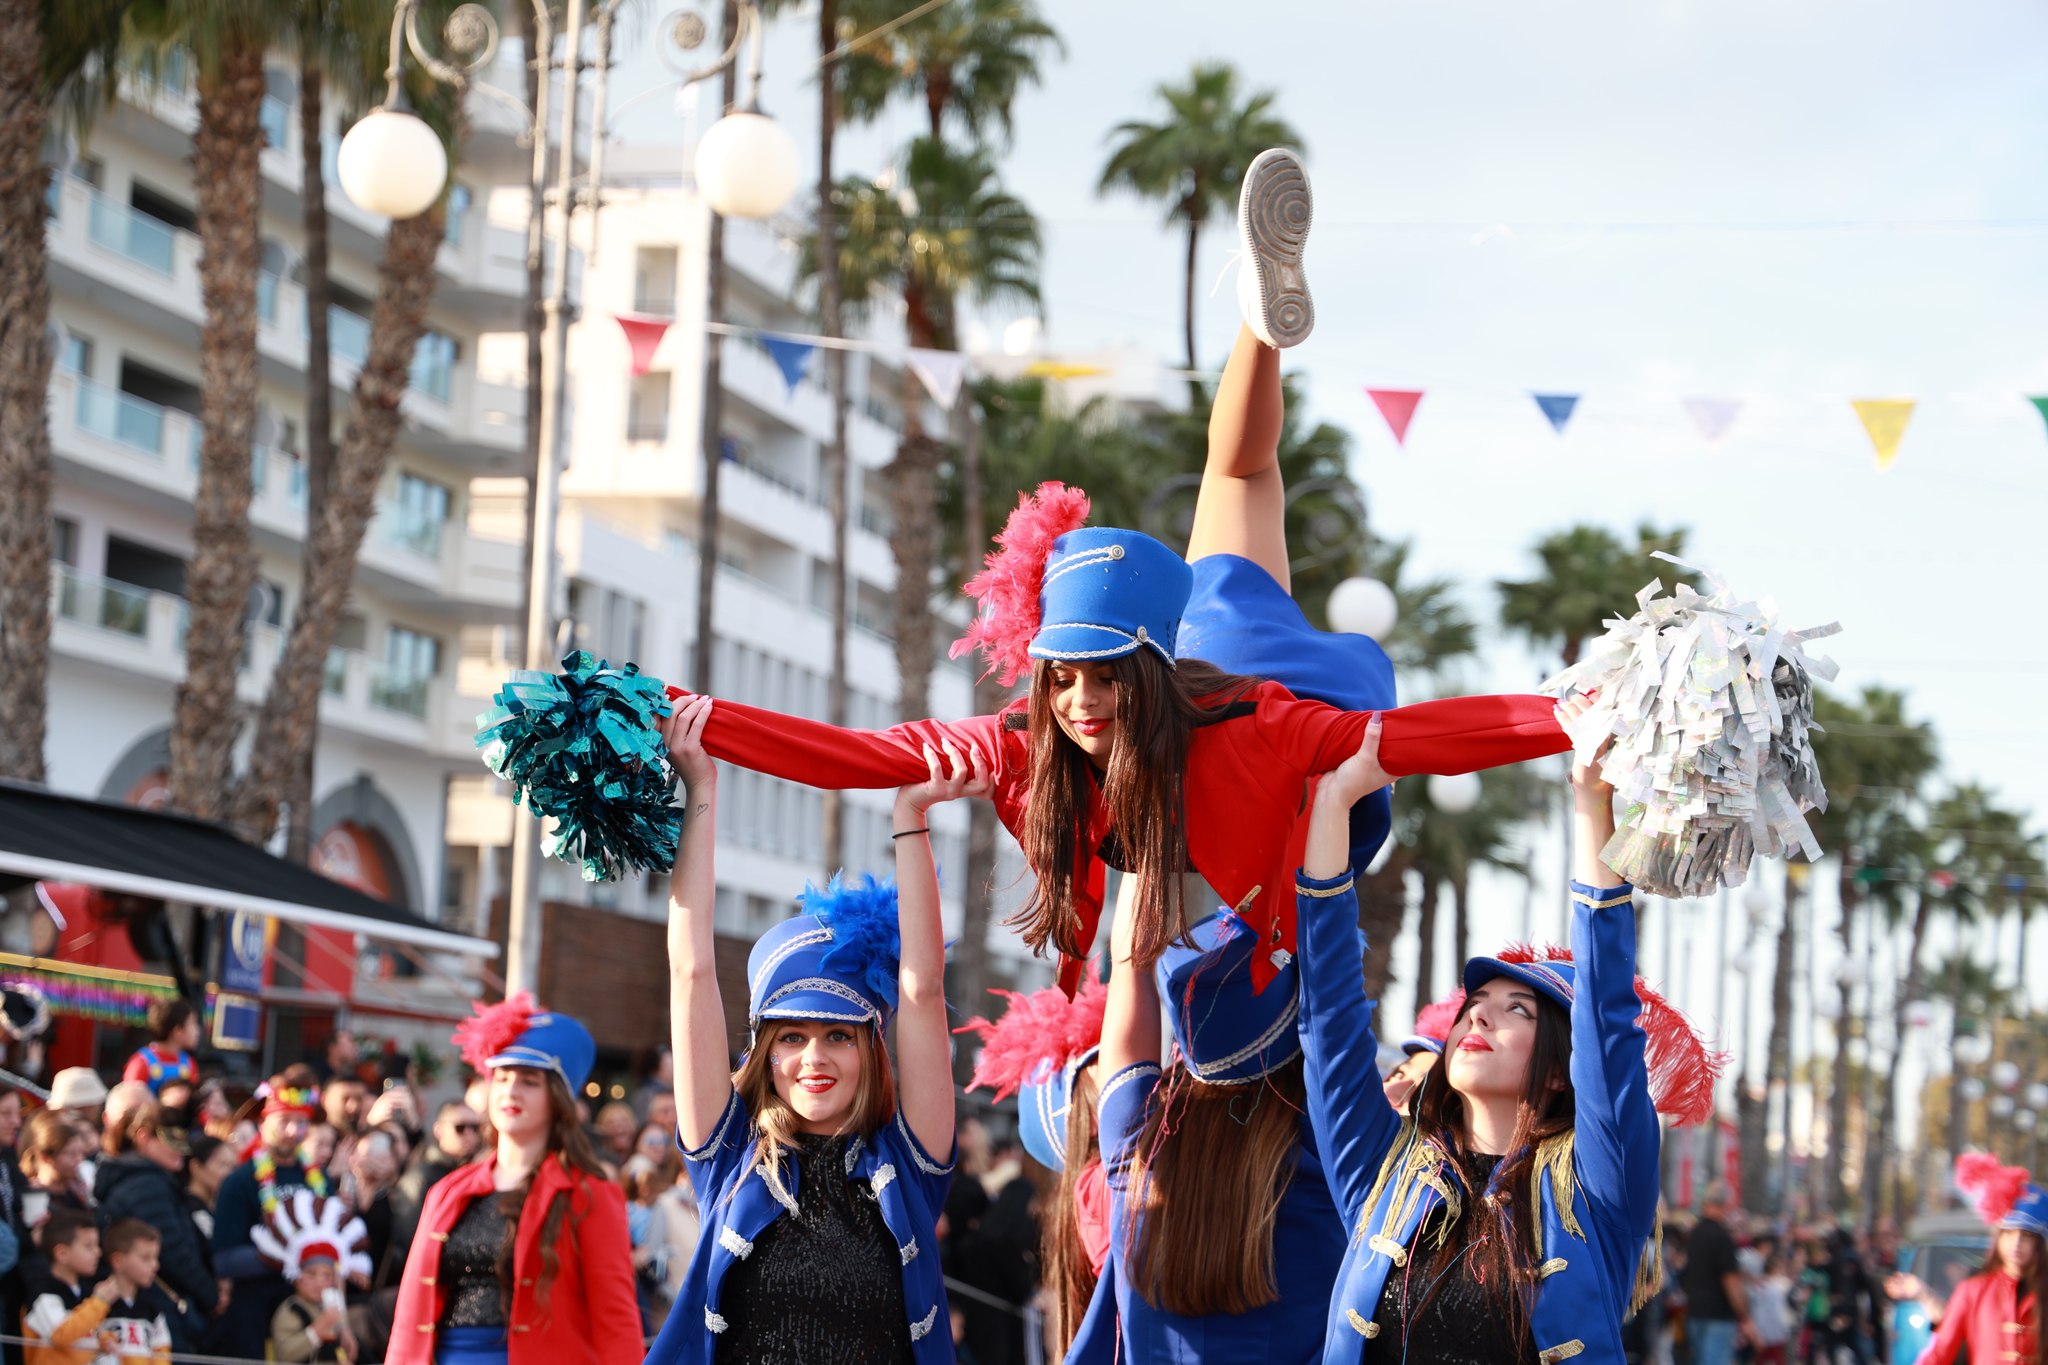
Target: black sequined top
column 469, row 1266
column 824, row 1287
column 1461, row 1325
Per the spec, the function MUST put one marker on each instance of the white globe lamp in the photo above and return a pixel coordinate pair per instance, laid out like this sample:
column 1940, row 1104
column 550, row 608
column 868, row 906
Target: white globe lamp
column 746, row 165
column 1363, row 606
column 1454, row 794
column 2005, row 1075
column 392, row 163
column 1756, row 897
column 1971, row 1089
column 2001, row 1106
column 2037, row 1096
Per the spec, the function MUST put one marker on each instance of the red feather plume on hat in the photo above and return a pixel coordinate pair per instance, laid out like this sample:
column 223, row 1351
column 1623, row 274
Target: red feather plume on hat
column 1683, row 1069
column 1008, row 585
column 1993, row 1188
column 493, row 1029
column 1434, row 1020
column 1038, row 1034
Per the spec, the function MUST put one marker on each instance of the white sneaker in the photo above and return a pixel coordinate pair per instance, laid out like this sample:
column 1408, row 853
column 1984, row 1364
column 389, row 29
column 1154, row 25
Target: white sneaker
column 1273, row 213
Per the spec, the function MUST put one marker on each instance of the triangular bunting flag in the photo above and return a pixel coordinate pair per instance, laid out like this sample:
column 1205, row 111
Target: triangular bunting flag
column 1062, row 369
column 793, row 358
column 1397, row 406
column 2040, row 406
column 1713, row 417
column 643, row 337
column 941, row 373
column 1557, row 407
column 1884, row 421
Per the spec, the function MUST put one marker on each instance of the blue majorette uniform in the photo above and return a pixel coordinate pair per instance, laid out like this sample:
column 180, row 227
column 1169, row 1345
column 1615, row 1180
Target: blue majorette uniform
column 1597, row 1183
column 1227, row 1035
column 792, row 974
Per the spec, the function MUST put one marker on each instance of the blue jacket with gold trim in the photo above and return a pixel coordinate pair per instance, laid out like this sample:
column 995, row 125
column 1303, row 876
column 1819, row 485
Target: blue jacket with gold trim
column 1597, row 1184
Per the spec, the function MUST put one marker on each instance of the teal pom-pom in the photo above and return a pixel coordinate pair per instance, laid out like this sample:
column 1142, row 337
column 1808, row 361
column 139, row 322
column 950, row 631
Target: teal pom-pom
column 866, row 941
column 584, row 748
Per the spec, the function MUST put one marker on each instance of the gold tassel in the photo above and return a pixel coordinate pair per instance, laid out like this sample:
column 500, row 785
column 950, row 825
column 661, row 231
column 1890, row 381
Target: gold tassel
column 1554, row 1159
column 1650, row 1269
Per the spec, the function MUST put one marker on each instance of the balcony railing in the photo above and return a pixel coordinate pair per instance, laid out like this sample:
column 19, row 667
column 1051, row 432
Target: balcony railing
column 127, row 420
column 399, row 690
column 410, row 528
column 656, row 302
column 147, row 241
column 276, row 121
column 118, row 607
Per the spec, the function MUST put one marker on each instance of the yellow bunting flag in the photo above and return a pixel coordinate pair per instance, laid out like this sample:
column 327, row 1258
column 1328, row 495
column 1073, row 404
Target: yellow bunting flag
column 1884, row 421
column 1062, row 369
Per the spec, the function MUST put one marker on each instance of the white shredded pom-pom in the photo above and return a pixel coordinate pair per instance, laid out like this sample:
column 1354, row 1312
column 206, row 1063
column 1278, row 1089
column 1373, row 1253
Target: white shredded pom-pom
column 1709, row 702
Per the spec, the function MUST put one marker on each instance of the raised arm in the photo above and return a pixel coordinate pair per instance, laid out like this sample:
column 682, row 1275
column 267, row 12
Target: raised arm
column 696, row 1015
column 1455, row 735
column 1130, row 1020
column 923, row 1044
column 832, row 758
column 1616, row 1119
column 1354, row 1124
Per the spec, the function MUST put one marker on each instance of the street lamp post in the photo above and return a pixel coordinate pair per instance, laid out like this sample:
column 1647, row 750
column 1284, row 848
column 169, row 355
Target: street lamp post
column 753, row 178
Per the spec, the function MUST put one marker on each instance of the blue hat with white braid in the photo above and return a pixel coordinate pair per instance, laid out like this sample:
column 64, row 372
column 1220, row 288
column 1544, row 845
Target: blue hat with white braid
column 836, row 961
column 1108, row 593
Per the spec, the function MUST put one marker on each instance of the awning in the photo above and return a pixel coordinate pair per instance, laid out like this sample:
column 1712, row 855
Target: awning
column 49, row 835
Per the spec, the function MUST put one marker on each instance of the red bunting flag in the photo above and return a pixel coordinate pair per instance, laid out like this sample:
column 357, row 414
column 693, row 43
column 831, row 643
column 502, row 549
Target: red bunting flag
column 643, row 335
column 1397, row 406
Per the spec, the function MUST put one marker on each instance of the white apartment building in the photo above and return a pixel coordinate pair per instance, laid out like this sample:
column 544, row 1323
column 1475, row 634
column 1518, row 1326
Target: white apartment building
column 628, row 542
column 124, row 429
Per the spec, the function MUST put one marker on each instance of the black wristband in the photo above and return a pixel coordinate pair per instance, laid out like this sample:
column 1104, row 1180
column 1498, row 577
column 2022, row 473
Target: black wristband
column 905, row 834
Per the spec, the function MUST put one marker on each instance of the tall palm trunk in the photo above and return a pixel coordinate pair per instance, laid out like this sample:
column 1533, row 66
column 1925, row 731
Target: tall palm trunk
column 227, row 174
column 1958, row 1106
column 832, row 316
column 977, row 891
column 1837, row 1185
column 1187, row 319
column 290, row 720
column 1461, row 926
column 713, row 433
column 1382, row 906
column 24, row 384
column 913, row 493
column 1425, row 938
column 1777, row 1079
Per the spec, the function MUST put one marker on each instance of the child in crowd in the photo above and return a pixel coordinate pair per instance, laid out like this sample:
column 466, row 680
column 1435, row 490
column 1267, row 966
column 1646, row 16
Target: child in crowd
column 118, row 1321
column 167, row 1057
column 312, row 1325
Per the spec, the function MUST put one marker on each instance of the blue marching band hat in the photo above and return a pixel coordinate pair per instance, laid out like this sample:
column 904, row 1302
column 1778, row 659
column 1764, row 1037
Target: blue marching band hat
column 517, row 1032
column 1108, row 593
column 1228, row 1033
column 1042, row 1110
column 2030, row 1214
column 836, row 960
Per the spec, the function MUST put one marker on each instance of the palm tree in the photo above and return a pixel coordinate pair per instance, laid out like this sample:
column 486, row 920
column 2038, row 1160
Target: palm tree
column 949, row 230
column 343, row 481
column 1875, row 761
column 966, row 62
column 1195, row 157
column 46, row 47
column 1588, row 575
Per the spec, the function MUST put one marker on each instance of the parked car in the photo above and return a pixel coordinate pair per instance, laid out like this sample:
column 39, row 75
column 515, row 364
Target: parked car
column 1941, row 1250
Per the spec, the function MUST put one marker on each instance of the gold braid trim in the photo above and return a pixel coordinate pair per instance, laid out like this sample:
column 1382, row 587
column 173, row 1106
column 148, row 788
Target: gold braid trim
column 1650, row 1269
column 1403, row 1180
column 1554, row 1160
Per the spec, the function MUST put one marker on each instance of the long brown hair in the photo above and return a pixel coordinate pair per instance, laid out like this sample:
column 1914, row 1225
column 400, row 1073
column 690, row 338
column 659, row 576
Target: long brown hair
column 567, row 1142
column 874, row 1103
column 1212, row 1163
column 1158, row 709
column 1498, row 1236
column 1063, row 1259
column 2034, row 1282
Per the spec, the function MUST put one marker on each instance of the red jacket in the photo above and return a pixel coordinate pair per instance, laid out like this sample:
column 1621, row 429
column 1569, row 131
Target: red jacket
column 1246, row 782
column 1985, row 1324
column 592, row 1315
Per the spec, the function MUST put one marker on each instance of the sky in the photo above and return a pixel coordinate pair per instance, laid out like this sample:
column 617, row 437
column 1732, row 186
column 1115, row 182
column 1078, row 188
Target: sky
column 1790, row 202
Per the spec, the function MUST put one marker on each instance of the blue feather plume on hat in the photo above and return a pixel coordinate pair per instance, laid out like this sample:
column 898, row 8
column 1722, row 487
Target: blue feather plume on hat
column 867, row 944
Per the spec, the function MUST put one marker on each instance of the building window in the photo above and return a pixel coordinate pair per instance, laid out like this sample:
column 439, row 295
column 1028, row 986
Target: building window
column 654, row 281
column 411, row 660
column 458, row 213
column 74, row 354
column 647, row 406
column 64, row 541
column 433, row 364
column 417, row 513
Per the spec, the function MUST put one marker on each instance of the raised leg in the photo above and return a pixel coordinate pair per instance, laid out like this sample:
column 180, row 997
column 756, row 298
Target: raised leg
column 1242, row 506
